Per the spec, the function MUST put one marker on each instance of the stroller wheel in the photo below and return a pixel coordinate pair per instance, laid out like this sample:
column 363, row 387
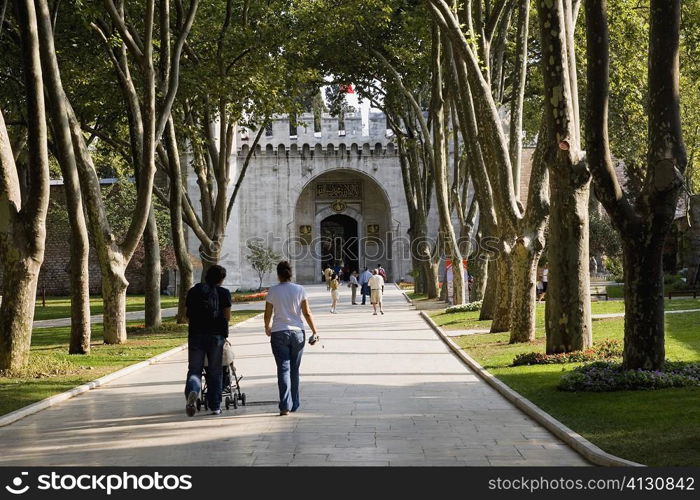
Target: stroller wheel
column 235, row 404
column 206, row 406
column 228, row 402
column 199, row 404
column 243, row 399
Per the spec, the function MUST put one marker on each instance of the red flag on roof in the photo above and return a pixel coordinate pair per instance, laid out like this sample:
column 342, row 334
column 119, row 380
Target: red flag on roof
column 347, row 88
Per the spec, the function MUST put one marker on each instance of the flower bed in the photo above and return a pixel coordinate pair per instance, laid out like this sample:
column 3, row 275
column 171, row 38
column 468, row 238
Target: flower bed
column 471, row 306
column 603, row 350
column 250, row 297
column 604, row 376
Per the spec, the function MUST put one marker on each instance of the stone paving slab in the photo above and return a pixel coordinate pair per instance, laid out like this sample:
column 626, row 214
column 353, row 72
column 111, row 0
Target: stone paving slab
column 382, row 390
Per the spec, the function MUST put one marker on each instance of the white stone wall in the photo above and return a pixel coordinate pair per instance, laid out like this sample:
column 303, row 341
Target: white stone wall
column 273, row 202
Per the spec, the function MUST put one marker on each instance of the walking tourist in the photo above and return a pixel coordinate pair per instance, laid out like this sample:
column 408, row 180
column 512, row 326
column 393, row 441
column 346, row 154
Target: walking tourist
column 208, row 312
column 353, row 287
column 335, row 292
column 327, row 272
column 376, row 285
column 286, row 303
column 381, row 271
column 364, row 287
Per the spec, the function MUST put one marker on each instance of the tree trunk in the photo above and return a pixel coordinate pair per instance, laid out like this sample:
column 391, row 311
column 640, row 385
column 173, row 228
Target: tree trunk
column 489, row 301
column 20, row 277
column 693, row 238
column 568, row 305
column 114, row 287
column 568, row 308
column 80, row 334
column 152, row 273
column 177, row 228
column 504, row 284
column 645, row 222
column 431, row 269
column 644, row 304
column 524, row 293
column 23, row 218
column 478, row 268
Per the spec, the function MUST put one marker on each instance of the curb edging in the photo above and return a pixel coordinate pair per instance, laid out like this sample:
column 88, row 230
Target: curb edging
column 578, row 443
column 25, row 411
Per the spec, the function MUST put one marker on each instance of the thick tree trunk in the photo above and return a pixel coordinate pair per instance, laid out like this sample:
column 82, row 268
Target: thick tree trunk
column 478, row 268
column 79, row 243
column 114, row 287
column 568, row 305
column 524, row 293
column 693, row 238
column 504, row 293
column 152, row 273
column 644, row 304
column 432, row 280
column 418, row 275
column 177, row 228
column 20, row 277
column 644, row 222
column 23, row 218
column 568, row 308
column 81, row 332
column 488, row 305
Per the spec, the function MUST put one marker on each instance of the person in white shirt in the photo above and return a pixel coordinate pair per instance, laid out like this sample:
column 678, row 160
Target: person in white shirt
column 376, row 284
column 288, row 302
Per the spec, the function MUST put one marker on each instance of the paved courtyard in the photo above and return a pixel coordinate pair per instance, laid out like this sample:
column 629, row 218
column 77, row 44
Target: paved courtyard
column 384, row 390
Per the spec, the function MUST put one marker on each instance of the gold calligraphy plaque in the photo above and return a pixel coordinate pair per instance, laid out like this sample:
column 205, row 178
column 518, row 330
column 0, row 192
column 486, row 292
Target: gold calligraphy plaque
column 339, row 190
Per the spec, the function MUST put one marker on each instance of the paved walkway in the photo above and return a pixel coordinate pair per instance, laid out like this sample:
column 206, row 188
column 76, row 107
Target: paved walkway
column 383, row 391
column 168, row 312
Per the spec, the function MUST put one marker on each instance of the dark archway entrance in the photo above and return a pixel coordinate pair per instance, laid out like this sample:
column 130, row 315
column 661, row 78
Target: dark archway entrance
column 339, row 242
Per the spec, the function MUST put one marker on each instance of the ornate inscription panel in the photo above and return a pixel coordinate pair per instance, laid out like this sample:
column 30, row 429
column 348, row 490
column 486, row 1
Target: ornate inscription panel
column 339, row 190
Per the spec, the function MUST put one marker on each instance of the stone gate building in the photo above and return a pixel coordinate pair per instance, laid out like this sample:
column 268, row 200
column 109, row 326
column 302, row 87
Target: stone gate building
column 318, row 198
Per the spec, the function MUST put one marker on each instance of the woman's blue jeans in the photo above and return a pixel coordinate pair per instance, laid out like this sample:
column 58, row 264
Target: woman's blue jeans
column 287, row 347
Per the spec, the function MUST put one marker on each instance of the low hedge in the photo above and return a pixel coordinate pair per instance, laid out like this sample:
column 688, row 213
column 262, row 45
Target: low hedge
column 603, row 350
column 605, row 376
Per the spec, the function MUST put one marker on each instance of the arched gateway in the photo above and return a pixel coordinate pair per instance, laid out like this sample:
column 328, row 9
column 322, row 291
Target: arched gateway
column 316, row 197
column 342, row 217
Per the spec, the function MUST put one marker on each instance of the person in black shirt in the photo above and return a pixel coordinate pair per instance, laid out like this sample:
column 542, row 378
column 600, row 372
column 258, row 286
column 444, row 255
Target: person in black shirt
column 209, row 312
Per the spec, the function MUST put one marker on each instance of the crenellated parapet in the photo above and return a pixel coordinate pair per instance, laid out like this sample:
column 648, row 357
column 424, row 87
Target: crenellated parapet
column 322, row 138
column 318, row 150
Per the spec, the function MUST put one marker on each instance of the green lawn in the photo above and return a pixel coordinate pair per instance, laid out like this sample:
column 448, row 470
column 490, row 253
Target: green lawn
column 59, row 307
column 658, row 428
column 470, row 320
column 416, row 296
column 52, row 370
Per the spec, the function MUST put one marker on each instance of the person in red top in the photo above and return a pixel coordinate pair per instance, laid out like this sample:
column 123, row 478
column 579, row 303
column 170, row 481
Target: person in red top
column 382, row 273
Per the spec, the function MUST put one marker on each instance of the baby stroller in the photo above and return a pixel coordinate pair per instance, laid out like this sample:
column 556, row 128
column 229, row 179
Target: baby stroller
column 231, row 389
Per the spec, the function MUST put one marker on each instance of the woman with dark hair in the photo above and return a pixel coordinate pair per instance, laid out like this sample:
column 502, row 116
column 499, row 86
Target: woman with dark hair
column 209, row 312
column 286, row 303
